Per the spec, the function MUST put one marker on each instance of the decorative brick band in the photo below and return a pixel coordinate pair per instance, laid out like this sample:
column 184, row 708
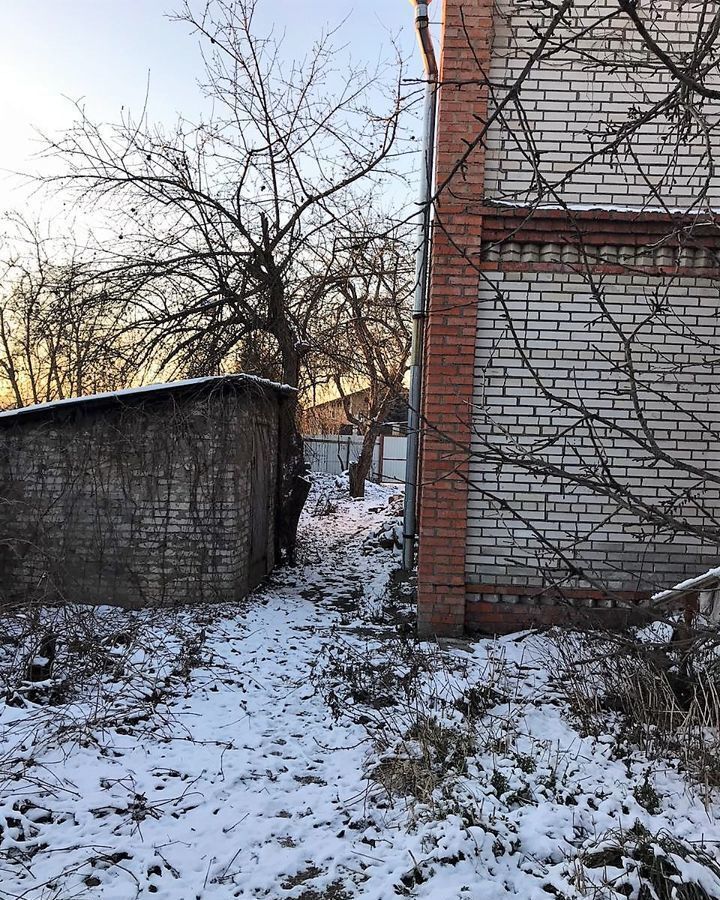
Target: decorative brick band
column 505, row 618
column 527, row 594
column 452, row 316
column 610, row 259
column 504, row 608
column 622, row 257
column 598, row 227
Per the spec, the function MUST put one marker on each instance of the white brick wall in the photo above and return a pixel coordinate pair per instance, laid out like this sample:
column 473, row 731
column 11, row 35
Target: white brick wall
column 589, row 89
column 559, row 323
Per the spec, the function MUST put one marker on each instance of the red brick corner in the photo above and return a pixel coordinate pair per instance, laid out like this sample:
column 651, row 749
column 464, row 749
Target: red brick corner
column 451, row 325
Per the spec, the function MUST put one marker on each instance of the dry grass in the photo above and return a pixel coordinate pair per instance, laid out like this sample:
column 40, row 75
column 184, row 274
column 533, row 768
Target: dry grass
column 425, row 715
column 83, row 673
column 648, row 866
column 663, row 693
column 419, row 763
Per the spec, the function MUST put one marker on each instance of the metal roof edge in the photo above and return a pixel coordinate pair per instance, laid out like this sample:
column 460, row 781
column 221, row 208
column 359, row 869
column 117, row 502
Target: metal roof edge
column 143, row 392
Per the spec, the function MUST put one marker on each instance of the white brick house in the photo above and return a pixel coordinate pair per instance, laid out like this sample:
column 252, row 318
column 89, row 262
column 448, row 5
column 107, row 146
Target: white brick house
column 570, row 454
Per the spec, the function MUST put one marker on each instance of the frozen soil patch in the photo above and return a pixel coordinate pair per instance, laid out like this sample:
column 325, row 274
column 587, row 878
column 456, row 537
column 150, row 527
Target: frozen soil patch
column 304, row 746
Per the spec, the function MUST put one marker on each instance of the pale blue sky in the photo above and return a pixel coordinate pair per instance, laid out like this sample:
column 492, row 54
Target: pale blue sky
column 102, row 50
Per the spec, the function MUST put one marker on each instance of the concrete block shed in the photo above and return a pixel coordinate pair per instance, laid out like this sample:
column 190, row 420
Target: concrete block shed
column 160, row 495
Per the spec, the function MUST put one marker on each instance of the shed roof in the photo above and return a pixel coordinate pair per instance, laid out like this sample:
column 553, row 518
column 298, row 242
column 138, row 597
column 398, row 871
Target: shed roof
column 129, row 395
column 708, row 581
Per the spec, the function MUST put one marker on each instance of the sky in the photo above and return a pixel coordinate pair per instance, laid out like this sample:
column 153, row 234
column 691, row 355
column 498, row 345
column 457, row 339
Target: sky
column 103, row 52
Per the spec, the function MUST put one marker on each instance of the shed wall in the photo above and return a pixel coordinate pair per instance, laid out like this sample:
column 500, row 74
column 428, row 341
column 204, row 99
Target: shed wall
column 136, row 505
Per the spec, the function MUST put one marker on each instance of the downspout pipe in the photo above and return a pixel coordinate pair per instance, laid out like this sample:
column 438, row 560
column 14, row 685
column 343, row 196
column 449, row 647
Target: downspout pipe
column 422, row 271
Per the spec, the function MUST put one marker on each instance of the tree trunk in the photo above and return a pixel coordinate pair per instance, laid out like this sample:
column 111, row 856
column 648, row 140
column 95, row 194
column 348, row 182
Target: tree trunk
column 294, row 485
column 360, row 470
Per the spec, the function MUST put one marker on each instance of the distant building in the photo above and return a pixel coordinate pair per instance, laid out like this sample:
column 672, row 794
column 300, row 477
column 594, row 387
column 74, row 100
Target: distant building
column 159, row 495
column 330, row 416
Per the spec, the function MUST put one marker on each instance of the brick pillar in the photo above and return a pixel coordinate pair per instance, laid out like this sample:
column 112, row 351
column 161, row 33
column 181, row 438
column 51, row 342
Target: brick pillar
column 451, row 325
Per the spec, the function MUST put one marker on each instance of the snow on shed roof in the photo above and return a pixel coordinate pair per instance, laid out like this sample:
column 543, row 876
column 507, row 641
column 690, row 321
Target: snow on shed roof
column 143, row 391
column 709, row 579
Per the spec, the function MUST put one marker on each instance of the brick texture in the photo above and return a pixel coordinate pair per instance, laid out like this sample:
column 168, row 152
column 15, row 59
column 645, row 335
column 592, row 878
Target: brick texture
column 572, row 351
column 144, row 503
column 504, row 618
column 487, row 239
column 450, row 330
column 589, row 90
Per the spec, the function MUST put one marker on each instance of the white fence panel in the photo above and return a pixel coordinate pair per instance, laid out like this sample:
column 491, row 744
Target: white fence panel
column 394, row 454
column 333, row 454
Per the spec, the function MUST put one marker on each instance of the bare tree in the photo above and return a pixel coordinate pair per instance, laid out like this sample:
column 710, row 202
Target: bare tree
column 229, row 215
column 367, row 334
column 64, row 331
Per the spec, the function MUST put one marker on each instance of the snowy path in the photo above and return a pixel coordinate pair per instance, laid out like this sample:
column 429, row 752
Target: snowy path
column 248, row 794
column 241, row 784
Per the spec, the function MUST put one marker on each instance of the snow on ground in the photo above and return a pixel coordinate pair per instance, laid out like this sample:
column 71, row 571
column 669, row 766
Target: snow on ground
column 226, row 753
